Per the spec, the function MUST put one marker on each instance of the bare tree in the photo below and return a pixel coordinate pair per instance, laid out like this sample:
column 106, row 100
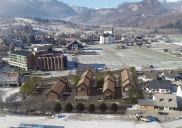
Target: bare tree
column 76, row 60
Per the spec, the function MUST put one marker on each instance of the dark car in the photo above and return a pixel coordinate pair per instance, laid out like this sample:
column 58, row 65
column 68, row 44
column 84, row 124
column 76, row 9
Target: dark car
column 66, row 94
column 162, row 113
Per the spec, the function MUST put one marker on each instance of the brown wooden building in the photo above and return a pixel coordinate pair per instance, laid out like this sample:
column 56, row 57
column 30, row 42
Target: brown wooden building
column 56, row 92
column 108, row 91
column 84, row 85
column 126, row 80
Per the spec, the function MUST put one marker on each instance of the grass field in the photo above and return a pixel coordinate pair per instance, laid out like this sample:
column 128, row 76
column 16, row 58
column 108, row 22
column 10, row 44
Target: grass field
column 131, row 56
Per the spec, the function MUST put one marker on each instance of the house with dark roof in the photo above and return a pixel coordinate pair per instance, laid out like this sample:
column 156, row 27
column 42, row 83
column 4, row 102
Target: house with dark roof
column 150, row 75
column 170, row 75
column 146, row 104
column 126, row 82
column 74, row 45
column 159, row 86
column 21, row 59
column 84, row 85
column 56, row 92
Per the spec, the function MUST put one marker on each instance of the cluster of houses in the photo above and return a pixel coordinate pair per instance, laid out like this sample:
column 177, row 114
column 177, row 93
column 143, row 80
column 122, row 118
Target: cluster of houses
column 85, row 83
column 159, row 85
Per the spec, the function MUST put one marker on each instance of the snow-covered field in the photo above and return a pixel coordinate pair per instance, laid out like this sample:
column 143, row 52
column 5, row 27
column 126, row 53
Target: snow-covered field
column 79, row 121
column 7, row 92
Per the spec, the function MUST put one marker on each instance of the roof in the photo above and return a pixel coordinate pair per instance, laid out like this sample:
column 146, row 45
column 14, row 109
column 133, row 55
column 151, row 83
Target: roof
column 74, row 42
column 151, row 74
column 21, row 53
column 126, row 77
column 25, row 78
column 109, row 85
column 109, row 77
column 159, row 84
column 58, row 87
column 146, row 102
column 87, row 74
column 9, row 77
column 164, row 100
column 165, row 84
column 170, row 74
column 154, row 84
column 107, row 35
column 84, row 81
column 85, row 67
column 31, row 126
column 45, row 48
column 64, row 80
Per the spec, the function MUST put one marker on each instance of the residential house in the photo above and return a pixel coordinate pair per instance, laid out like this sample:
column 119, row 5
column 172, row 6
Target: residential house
column 108, row 91
column 146, row 104
column 170, row 75
column 74, row 45
column 84, row 85
column 126, row 82
column 56, row 92
column 21, row 59
column 150, row 75
column 159, row 86
column 10, row 80
column 166, row 101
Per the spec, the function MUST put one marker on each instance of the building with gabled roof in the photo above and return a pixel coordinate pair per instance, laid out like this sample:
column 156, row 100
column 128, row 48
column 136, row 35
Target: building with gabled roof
column 56, row 92
column 74, row 45
column 84, row 85
column 166, row 101
column 159, row 86
column 126, row 80
column 108, row 91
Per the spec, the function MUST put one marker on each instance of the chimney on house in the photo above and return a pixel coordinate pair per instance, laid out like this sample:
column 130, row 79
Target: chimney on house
column 160, row 100
column 168, row 100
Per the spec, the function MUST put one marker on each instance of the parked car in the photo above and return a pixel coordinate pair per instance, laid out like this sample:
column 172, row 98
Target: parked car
column 99, row 89
column 162, row 113
column 69, row 90
column 66, row 94
column 55, row 116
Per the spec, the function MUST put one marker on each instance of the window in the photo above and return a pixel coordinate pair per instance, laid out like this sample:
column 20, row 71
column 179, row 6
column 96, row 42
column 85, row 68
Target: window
column 43, row 63
column 60, row 63
column 157, row 90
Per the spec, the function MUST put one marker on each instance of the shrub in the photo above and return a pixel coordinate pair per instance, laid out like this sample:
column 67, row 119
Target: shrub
column 68, row 107
column 109, row 72
column 91, row 108
column 75, row 99
column 42, row 100
column 103, row 107
column 62, row 99
column 57, row 107
column 75, row 80
column 23, row 98
column 114, row 107
column 80, row 107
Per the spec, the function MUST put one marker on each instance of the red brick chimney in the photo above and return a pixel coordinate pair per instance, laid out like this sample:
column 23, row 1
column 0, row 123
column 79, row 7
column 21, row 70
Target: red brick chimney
column 168, row 100
column 159, row 99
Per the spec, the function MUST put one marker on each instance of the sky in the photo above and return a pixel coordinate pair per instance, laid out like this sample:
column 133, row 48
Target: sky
column 97, row 3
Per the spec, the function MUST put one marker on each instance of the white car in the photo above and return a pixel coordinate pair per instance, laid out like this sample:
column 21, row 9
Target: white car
column 55, row 116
